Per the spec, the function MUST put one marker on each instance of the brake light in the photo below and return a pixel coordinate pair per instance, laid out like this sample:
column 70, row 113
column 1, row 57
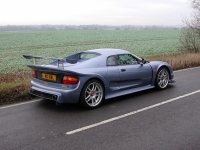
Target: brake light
column 33, row 74
column 69, row 80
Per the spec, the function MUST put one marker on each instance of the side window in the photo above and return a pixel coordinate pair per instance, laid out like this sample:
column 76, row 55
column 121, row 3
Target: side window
column 111, row 61
column 126, row 59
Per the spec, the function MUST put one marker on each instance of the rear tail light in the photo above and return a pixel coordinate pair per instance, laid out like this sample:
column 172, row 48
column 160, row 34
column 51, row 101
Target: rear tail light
column 33, row 74
column 69, row 80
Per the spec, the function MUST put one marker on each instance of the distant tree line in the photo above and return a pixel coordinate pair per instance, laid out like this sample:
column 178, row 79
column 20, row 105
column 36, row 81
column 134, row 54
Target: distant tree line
column 83, row 27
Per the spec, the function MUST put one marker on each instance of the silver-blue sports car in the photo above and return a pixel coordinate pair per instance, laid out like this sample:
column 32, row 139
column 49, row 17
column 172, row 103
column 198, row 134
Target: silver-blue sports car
column 91, row 76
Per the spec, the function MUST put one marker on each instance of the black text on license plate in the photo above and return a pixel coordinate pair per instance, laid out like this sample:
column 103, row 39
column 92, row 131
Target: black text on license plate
column 49, row 77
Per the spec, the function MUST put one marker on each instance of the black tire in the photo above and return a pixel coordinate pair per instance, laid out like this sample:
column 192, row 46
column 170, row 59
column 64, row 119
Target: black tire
column 162, row 78
column 92, row 94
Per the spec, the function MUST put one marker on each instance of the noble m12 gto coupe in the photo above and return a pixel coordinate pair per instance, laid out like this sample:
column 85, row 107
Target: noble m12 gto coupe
column 91, row 76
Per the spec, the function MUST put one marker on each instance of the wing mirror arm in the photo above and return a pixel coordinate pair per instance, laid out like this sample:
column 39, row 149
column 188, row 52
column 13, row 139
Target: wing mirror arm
column 143, row 61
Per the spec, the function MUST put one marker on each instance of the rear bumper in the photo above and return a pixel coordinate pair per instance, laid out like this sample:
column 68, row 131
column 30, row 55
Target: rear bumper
column 45, row 95
column 55, row 94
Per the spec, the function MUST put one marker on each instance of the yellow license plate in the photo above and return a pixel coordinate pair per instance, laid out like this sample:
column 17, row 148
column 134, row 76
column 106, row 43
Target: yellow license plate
column 49, row 77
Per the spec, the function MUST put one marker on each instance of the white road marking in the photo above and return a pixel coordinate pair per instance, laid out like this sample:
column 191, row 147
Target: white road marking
column 33, row 101
column 131, row 113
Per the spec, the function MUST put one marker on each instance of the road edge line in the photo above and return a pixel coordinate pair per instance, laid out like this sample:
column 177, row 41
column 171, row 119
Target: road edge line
column 13, row 105
column 186, row 69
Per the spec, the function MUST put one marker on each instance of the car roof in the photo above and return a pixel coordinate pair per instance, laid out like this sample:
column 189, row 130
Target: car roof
column 109, row 51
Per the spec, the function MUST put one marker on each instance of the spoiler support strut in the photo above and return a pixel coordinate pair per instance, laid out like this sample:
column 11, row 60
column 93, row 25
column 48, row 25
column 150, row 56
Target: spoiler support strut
column 60, row 61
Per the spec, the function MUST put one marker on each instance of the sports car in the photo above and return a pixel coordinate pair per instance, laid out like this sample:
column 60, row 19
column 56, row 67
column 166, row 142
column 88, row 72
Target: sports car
column 91, row 76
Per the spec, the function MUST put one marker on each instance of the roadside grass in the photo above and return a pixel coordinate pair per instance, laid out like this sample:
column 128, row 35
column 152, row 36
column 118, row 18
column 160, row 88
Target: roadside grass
column 14, row 87
column 178, row 60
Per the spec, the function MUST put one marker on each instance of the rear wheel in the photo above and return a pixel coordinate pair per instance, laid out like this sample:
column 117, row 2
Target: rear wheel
column 92, row 94
column 162, row 78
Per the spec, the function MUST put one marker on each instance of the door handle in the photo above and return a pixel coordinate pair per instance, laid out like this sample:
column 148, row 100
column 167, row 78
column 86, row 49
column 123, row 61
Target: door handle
column 123, row 70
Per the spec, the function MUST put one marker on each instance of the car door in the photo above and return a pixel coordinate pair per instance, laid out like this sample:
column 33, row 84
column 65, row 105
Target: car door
column 132, row 73
column 113, row 74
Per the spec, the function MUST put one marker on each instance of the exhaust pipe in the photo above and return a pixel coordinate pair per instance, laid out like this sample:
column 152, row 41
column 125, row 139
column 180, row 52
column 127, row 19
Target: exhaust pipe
column 58, row 104
column 54, row 97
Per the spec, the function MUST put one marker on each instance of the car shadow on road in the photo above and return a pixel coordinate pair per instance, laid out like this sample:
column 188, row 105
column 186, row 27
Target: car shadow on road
column 77, row 108
column 51, row 106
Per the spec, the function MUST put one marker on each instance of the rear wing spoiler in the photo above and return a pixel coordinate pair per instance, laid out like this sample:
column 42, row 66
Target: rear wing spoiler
column 60, row 61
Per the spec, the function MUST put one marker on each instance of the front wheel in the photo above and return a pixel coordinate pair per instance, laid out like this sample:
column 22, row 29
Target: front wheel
column 92, row 94
column 162, row 78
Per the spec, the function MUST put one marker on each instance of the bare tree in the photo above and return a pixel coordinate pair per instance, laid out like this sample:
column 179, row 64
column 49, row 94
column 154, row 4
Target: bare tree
column 190, row 37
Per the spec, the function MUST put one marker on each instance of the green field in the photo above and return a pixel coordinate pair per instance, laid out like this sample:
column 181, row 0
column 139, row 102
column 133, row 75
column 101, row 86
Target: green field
column 62, row 43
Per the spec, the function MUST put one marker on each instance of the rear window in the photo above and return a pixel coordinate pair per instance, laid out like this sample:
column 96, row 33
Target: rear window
column 86, row 56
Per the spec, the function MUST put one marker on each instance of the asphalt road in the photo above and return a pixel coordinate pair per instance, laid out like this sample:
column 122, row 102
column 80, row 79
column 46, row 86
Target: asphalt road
column 149, row 120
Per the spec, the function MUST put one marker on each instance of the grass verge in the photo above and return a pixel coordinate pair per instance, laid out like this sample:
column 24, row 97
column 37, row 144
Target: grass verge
column 179, row 60
column 14, row 87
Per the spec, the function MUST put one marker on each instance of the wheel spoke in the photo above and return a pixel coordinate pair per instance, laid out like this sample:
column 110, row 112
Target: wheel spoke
column 163, row 73
column 93, row 86
column 160, row 82
column 88, row 89
column 89, row 99
column 88, row 92
column 98, row 94
column 93, row 101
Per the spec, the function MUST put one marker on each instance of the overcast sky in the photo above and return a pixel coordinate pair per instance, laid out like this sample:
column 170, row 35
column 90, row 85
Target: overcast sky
column 87, row 12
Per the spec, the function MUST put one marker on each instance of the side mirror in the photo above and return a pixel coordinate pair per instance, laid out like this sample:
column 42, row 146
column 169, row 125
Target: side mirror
column 144, row 61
